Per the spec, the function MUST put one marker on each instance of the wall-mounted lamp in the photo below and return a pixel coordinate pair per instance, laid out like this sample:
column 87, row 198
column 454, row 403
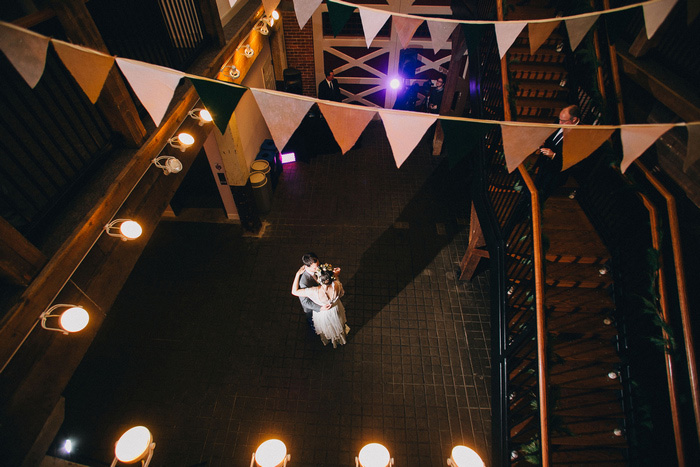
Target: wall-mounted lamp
column 136, row 444
column 248, row 51
column 233, row 72
column 201, row 115
column 181, row 141
column 125, row 229
column 463, row 456
column 374, row 455
column 271, row 453
column 261, row 27
column 74, row 319
column 169, row 164
column 275, row 15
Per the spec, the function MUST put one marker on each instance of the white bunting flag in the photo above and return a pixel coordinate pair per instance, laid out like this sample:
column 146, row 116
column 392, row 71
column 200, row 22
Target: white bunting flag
column 281, row 113
column 26, row 51
column 637, row 139
column 693, row 154
column 304, row 10
column 154, row 85
column 372, row 23
column 577, row 29
column 440, row 32
column 655, row 14
column 404, row 130
column 506, row 33
column 346, row 124
column 521, row 141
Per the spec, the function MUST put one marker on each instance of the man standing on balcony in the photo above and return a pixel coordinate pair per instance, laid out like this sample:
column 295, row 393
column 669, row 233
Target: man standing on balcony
column 550, row 176
column 328, row 89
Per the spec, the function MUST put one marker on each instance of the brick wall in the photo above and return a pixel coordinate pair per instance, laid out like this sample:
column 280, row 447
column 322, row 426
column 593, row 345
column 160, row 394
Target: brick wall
column 300, row 50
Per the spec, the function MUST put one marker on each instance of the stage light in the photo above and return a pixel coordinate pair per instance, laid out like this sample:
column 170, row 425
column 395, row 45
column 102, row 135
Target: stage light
column 395, row 83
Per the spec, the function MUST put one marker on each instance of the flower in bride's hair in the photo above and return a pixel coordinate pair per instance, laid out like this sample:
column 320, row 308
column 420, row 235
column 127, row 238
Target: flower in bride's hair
column 325, row 268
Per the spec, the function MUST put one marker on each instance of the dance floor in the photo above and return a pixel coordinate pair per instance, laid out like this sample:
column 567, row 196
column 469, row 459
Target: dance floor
column 206, row 346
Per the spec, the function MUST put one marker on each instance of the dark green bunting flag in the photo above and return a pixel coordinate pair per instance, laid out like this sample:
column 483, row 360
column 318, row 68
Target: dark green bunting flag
column 219, row 98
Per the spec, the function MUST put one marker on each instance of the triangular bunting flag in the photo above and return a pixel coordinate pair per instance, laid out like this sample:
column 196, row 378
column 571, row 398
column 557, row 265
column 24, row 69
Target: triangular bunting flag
column 577, row 29
column 655, row 14
column 281, row 113
column 26, row 51
column 154, row 85
column 339, row 15
column 372, row 23
column 440, row 32
column 346, row 124
column 404, row 131
column 269, row 6
column 461, row 138
column 521, row 141
column 219, row 98
column 506, row 33
column 89, row 68
column 405, row 28
column 693, row 154
column 637, row 139
column 580, row 143
column 304, row 9
column 540, row 32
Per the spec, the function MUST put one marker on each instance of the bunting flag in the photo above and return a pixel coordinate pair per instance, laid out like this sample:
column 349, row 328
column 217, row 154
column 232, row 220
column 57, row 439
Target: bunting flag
column 281, row 113
column 693, row 154
column 655, row 14
column 154, row 85
column 440, row 32
column 461, row 138
column 372, row 23
column 404, row 131
column 540, row 32
column 506, row 33
column 304, row 10
column 89, row 69
column 339, row 15
column 269, row 6
column 521, row 141
column 580, row 143
column 219, row 98
column 405, row 28
column 637, row 139
column 26, row 50
column 577, row 29
column 346, row 124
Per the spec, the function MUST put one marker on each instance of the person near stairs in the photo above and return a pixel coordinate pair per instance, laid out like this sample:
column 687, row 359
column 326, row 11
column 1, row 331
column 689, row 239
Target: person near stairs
column 549, row 174
column 328, row 88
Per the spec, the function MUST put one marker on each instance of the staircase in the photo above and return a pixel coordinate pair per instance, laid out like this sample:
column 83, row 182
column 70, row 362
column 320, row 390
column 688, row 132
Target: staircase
column 586, row 413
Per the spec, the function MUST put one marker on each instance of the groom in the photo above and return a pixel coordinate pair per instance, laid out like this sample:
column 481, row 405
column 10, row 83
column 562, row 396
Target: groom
column 308, row 279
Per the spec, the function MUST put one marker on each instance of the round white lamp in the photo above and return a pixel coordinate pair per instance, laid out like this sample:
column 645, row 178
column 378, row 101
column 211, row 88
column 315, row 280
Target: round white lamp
column 74, row 319
column 181, row 141
column 374, row 455
column 126, row 229
column 134, row 445
column 201, row 115
column 169, row 164
column 463, row 456
column 271, row 453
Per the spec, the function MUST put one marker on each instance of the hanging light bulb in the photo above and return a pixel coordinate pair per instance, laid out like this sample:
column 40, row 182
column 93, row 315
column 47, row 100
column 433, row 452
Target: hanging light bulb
column 181, row 141
column 201, row 115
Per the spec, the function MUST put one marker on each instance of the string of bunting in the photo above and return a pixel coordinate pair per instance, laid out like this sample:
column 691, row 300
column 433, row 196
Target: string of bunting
column 283, row 112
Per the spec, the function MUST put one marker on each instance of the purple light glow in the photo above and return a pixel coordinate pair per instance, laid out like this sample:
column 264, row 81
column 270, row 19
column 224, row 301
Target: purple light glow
column 288, row 157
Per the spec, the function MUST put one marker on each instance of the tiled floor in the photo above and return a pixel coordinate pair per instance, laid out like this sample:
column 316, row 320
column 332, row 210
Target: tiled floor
column 207, row 347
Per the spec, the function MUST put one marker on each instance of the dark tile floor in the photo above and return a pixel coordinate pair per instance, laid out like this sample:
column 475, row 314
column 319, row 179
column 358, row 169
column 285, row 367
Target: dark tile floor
column 206, row 346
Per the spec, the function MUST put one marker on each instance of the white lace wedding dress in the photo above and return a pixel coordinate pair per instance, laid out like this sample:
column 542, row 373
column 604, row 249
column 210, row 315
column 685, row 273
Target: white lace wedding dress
column 330, row 324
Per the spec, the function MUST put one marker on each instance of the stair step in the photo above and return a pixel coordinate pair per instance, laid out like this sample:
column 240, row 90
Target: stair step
column 601, row 456
column 578, row 299
column 550, row 91
column 589, row 402
column 583, row 374
column 577, row 347
column 562, row 213
column 591, row 433
column 539, row 102
column 572, row 246
column 525, row 75
column 545, row 53
column 571, row 321
column 576, row 274
column 537, row 67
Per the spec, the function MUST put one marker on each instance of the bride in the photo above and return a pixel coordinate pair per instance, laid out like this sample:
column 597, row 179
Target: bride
column 329, row 322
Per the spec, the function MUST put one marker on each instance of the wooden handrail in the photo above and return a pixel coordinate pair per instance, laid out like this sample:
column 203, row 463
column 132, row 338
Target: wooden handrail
column 539, row 308
column 505, row 84
column 615, row 71
column 682, row 293
column 663, row 301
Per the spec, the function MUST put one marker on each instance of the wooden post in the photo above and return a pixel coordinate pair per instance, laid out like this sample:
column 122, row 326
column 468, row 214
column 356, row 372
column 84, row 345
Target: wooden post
column 20, row 261
column 474, row 252
column 212, row 22
column 115, row 101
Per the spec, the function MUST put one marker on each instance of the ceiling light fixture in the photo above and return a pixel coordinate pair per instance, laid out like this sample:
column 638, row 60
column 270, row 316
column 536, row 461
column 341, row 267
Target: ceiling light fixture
column 73, row 319
column 169, row 164
column 126, row 229
column 181, row 141
column 201, row 115
column 136, row 444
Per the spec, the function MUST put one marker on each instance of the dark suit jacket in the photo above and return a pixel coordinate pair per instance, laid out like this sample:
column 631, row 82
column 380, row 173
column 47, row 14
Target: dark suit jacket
column 326, row 93
column 307, row 280
column 549, row 175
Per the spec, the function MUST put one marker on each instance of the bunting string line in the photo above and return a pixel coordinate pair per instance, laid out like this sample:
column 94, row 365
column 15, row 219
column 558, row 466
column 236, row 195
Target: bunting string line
column 474, row 21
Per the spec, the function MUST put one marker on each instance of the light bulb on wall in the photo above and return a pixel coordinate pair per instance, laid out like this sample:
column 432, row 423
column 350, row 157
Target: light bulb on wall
column 181, row 141
column 374, row 455
column 275, row 15
column 201, row 115
column 248, row 51
column 169, row 164
column 463, row 456
column 136, row 444
column 125, row 229
column 73, row 319
column 271, row 453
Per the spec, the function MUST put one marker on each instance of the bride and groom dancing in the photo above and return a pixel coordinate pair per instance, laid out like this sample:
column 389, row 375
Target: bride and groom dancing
column 319, row 290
